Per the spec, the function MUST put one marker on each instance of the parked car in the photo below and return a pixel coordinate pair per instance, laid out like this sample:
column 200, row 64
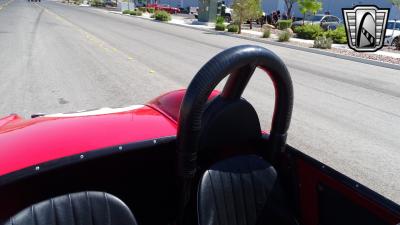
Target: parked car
column 327, row 22
column 164, row 7
column 392, row 36
column 224, row 11
column 193, row 10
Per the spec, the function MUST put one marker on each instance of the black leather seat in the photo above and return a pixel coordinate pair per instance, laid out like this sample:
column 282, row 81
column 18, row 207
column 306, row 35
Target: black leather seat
column 82, row 208
column 242, row 190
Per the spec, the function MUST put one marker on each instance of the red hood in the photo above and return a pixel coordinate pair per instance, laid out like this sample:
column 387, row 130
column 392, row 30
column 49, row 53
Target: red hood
column 25, row 143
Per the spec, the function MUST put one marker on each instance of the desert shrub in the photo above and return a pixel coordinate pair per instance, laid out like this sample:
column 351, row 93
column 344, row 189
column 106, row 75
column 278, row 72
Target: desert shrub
column 338, row 35
column 97, row 3
column 77, row 2
column 284, row 36
column 162, row 16
column 151, row 10
column 283, row 24
column 220, row 20
column 220, row 26
column 323, row 42
column 233, row 28
column 266, row 33
column 309, row 31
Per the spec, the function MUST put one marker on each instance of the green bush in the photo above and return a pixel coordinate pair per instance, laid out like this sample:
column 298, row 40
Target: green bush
column 126, row 11
column 220, row 20
column 266, row 33
column 309, row 31
column 162, row 16
column 233, row 28
column 133, row 12
column 283, row 24
column 97, row 3
column 142, row 9
column 151, row 10
column 338, row 36
column 323, row 42
column 78, row 2
column 220, row 26
column 284, row 36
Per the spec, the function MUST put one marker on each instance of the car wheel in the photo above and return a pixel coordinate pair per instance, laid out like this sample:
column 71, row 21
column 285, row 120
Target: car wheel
column 228, row 18
column 395, row 41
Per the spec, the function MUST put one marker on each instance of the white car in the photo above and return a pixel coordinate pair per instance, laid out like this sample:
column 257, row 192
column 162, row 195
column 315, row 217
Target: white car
column 392, row 35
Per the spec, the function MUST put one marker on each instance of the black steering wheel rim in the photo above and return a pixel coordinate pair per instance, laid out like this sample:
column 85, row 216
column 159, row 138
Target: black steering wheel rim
column 240, row 62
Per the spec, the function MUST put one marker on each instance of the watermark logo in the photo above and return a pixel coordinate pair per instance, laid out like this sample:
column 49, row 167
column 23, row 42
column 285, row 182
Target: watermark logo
column 365, row 27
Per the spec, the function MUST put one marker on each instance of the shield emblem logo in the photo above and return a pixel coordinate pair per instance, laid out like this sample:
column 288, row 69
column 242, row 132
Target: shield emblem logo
column 365, row 27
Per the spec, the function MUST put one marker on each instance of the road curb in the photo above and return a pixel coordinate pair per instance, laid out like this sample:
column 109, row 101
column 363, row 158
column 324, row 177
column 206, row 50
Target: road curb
column 281, row 44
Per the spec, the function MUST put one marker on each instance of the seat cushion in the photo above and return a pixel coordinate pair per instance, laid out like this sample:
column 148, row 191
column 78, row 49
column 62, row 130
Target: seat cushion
column 235, row 191
column 82, row 208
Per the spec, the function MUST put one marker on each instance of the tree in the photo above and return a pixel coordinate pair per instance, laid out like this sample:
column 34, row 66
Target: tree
column 395, row 3
column 315, row 6
column 244, row 10
column 289, row 6
column 309, row 6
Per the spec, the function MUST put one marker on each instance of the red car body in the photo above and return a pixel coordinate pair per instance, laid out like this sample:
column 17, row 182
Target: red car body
column 166, row 8
column 57, row 136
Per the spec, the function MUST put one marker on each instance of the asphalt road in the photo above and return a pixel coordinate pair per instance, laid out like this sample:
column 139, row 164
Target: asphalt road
column 58, row 58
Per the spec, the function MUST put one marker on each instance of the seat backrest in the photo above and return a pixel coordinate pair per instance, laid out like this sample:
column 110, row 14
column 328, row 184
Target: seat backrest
column 82, row 208
column 241, row 190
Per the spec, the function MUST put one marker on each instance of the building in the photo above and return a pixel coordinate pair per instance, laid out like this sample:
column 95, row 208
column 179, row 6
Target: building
column 334, row 7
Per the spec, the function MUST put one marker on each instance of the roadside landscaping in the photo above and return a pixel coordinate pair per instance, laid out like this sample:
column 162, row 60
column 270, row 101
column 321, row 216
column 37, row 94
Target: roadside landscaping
column 306, row 37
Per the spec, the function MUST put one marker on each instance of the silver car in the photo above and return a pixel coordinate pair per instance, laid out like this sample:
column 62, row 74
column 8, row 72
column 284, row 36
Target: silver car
column 327, row 22
column 392, row 36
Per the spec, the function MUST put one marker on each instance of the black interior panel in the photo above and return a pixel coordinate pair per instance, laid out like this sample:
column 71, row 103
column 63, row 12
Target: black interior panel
column 337, row 209
column 144, row 187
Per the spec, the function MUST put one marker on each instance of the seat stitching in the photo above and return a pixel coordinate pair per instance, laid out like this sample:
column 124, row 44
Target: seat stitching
column 215, row 197
column 252, row 186
column 234, row 199
column 72, row 209
column 33, row 214
column 90, row 208
column 244, row 202
column 223, row 197
column 54, row 210
column 108, row 209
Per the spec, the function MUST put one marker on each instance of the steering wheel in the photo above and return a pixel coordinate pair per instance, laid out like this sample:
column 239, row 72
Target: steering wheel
column 240, row 63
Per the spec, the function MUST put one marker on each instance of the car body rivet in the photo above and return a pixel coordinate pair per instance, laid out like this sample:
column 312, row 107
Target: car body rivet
column 357, row 185
column 120, row 148
column 37, row 168
column 323, row 167
column 81, row 156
